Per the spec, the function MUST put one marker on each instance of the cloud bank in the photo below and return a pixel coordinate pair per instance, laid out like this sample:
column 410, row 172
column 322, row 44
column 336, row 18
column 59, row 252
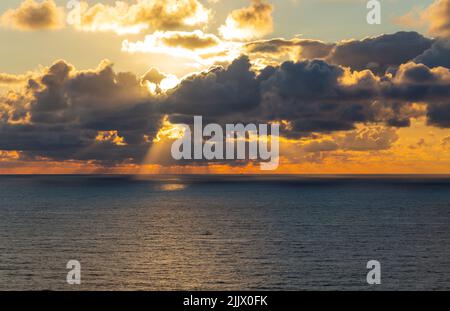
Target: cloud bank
column 106, row 117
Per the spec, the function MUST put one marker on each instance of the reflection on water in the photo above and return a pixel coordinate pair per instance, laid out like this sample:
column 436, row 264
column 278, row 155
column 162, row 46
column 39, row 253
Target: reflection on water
column 223, row 233
column 172, row 187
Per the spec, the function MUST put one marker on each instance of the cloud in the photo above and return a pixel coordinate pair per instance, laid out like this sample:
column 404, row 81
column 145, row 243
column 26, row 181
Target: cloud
column 189, row 40
column 158, row 82
column 446, row 142
column 411, row 19
column 32, row 15
column 275, row 51
column 216, row 92
column 368, row 138
column 309, row 94
column 6, row 78
column 374, row 53
column 154, row 76
column 113, row 117
column 320, row 146
column 439, row 114
column 305, row 48
column 417, row 82
column 94, row 115
column 248, row 23
column 125, row 18
column 437, row 55
column 364, row 138
column 437, row 15
column 195, row 40
column 312, row 96
column 379, row 53
column 203, row 48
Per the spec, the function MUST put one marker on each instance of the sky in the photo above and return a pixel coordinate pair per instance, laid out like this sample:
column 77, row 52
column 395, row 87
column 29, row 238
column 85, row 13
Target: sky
column 101, row 89
column 327, row 20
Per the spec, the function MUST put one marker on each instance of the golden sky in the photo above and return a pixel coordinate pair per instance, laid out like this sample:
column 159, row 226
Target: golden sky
column 99, row 86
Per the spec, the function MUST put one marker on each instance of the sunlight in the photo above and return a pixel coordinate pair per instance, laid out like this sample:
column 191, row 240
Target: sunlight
column 169, row 131
column 172, row 187
column 169, row 82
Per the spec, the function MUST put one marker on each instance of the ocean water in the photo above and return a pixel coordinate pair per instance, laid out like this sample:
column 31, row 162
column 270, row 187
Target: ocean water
column 225, row 233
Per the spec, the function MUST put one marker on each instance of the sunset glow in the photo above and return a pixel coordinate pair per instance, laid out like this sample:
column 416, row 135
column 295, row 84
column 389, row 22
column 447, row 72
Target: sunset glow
column 120, row 76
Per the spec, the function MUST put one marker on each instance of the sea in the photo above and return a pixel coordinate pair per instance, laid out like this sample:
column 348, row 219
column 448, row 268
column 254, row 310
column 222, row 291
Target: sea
column 237, row 232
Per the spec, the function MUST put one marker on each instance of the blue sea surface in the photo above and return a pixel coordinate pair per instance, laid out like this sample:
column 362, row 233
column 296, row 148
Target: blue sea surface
column 225, row 232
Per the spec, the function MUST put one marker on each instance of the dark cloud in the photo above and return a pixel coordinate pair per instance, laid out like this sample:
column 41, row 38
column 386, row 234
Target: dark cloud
column 379, row 53
column 154, row 76
column 439, row 114
column 216, row 92
column 310, row 95
column 308, row 49
column 109, row 117
column 437, row 55
column 418, row 83
column 311, row 49
column 62, row 113
column 374, row 53
column 313, row 95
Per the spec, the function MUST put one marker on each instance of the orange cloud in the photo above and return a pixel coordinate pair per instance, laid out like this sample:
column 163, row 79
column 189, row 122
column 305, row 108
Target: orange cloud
column 250, row 22
column 7, row 79
column 438, row 17
column 124, row 18
column 31, row 15
column 435, row 17
column 110, row 136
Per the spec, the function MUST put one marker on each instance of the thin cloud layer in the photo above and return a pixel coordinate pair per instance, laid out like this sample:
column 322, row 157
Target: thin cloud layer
column 7, row 79
column 195, row 40
column 203, row 48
